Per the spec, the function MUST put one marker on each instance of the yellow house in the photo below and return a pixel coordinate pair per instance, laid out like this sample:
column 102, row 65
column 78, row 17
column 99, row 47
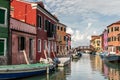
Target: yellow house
column 96, row 43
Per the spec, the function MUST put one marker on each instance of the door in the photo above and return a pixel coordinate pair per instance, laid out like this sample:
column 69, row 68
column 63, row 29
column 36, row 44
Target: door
column 2, row 47
column 31, row 48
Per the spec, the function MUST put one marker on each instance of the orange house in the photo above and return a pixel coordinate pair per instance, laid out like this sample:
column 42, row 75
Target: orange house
column 61, row 38
column 113, row 37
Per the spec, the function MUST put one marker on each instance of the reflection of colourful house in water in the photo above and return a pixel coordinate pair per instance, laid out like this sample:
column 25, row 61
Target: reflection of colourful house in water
column 114, row 74
column 4, row 25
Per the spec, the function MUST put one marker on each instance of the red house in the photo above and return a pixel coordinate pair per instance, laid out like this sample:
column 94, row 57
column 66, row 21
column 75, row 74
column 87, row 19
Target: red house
column 35, row 14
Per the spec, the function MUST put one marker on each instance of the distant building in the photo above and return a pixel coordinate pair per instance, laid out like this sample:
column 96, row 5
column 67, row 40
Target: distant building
column 105, row 40
column 4, row 26
column 61, row 38
column 68, row 41
column 35, row 14
column 113, row 37
column 96, row 43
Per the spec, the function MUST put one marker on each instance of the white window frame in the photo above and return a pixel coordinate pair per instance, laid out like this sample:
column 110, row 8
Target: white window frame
column 5, row 43
column 5, row 24
column 39, row 45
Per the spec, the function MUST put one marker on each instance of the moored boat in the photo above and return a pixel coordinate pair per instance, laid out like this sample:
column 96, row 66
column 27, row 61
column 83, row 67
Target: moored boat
column 24, row 70
column 112, row 58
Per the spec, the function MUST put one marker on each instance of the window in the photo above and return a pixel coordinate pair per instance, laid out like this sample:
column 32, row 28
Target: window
column 52, row 26
column 61, row 28
column 108, row 30
column 39, row 21
column 46, row 25
column 21, row 43
column 58, row 27
column 39, row 45
column 64, row 29
column 118, row 38
column 109, row 39
column 112, row 29
column 2, row 46
column 3, row 16
column 114, row 38
column 116, row 28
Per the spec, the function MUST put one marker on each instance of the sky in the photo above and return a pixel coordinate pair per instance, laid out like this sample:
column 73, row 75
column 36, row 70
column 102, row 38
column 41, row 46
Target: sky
column 84, row 18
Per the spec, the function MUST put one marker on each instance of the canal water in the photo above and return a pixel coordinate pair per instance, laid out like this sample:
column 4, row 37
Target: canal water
column 88, row 67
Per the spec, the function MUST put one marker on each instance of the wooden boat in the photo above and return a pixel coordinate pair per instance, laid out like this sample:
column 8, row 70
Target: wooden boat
column 24, row 70
column 76, row 56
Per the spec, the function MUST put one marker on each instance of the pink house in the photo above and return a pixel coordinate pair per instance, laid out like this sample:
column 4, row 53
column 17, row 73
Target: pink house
column 23, row 37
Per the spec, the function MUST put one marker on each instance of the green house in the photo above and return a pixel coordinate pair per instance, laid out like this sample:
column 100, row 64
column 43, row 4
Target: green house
column 4, row 27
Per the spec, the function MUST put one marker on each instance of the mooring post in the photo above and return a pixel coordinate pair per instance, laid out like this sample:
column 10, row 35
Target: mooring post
column 48, row 70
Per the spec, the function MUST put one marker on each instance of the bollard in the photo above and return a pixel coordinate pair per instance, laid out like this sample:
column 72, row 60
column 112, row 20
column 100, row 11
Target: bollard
column 47, row 70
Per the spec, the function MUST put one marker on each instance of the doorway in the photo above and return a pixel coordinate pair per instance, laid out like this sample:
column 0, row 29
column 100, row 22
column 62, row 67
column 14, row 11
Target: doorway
column 31, row 48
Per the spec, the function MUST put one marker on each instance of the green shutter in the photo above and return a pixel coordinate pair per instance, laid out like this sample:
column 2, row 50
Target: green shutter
column 2, row 16
column 1, row 47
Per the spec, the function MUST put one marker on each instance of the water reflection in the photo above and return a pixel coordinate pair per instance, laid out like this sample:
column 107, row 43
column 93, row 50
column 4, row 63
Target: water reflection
column 111, row 71
column 86, row 68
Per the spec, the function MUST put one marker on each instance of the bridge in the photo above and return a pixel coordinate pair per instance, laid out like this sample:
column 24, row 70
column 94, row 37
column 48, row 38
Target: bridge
column 85, row 48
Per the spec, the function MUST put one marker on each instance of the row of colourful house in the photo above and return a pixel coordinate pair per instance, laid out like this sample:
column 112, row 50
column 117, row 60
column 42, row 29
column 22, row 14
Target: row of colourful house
column 109, row 40
column 29, row 26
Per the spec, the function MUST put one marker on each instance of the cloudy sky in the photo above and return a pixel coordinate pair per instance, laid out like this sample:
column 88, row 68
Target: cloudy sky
column 84, row 17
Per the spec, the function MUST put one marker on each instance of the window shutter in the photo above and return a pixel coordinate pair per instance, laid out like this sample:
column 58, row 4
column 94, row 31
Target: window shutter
column 2, row 16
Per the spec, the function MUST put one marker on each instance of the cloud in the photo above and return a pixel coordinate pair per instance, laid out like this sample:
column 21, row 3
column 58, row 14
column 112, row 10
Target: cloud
column 106, row 7
column 89, row 25
column 84, row 17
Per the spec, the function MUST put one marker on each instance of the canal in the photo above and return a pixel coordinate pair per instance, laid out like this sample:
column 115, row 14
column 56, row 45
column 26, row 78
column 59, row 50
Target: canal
column 88, row 67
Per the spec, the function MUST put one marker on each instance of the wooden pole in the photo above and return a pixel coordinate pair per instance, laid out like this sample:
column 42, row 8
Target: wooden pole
column 45, row 54
column 26, row 59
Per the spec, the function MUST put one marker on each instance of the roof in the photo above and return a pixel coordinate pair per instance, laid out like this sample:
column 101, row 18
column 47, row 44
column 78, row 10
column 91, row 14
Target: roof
column 62, row 24
column 118, row 22
column 41, row 5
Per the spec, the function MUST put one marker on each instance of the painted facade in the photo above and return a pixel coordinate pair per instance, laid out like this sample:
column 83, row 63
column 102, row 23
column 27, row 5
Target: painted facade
column 23, row 37
column 96, row 43
column 113, row 37
column 61, row 38
column 4, row 26
column 35, row 14
column 105, row 40
column 68, row 41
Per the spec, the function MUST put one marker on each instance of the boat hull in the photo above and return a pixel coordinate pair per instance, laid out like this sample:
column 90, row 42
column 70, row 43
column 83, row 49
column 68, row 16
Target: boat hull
column 112, row 58
column 22, row 73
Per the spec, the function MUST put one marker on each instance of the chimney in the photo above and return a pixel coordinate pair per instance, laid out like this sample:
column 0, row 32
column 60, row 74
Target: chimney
column 41, row 4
